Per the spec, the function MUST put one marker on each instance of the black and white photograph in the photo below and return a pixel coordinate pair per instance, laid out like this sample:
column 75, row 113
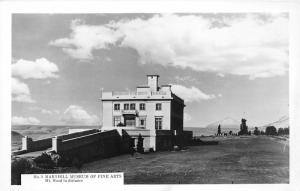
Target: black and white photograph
column 166, row 98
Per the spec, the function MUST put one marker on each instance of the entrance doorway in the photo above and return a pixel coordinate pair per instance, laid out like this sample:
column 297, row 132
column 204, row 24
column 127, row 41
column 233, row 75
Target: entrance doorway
column 129, row 120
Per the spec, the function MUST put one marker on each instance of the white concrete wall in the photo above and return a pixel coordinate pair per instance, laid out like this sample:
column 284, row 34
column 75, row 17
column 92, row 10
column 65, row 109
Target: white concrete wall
column 107, row 119
column 152, row 113
column 153, row 82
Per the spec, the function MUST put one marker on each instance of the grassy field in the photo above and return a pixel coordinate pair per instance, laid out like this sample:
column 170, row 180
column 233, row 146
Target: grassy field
column 235, row 160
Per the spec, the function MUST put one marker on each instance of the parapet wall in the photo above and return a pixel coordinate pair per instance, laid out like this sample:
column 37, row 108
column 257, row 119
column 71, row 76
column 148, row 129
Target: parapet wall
column 78, row 134
column 29, row 145
column 99, row 144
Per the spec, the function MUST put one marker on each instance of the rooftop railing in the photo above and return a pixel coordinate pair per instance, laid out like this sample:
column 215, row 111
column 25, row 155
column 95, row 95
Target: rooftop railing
column 158, row 93
column 117, row 93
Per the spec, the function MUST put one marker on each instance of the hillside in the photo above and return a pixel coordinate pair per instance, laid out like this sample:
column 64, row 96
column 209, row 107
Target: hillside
column 16, row 140
column 44, row 131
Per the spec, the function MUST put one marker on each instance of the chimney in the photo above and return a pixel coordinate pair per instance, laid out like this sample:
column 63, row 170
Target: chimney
column 153, row 82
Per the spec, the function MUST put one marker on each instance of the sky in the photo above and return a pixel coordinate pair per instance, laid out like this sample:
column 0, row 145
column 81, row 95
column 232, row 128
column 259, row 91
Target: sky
column 222, row 64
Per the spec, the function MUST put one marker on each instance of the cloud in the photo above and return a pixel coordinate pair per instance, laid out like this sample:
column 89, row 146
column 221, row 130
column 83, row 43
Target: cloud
column 253, row 45
column 191, row 94
column 85, row 38
column 43, row 111
column 76, row 115
column 25, row 120
column 20, row 91
column 39, row 69
column 187, row 117
column 186, row 79
column 57, row 111
column 220, row 75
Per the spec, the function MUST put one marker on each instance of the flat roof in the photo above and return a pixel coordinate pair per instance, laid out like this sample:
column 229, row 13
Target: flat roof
column 153, row 75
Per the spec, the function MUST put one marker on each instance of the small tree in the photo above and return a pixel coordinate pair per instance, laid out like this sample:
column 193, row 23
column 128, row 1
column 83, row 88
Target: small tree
column 219, row 130
column 243, row 128
column 286, row 131
column 140, row 147
column 271, row 130
column 256, row 131
column 280, row 131
column 230, row 132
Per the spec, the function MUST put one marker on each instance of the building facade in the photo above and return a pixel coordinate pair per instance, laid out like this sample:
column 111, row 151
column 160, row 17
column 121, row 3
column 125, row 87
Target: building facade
column 149, row 111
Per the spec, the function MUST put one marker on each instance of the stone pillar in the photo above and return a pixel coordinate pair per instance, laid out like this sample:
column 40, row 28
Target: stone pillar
column 152, row 139
column 137, row 121
column 56, row 144
column 26, row 143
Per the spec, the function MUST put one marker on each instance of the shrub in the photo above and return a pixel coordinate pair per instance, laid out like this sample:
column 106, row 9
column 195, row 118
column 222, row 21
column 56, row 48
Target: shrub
column 283, row 131
column 18, row 167
column 44, row 161
column 140, row 147
column 271, row 130
column 256, row 131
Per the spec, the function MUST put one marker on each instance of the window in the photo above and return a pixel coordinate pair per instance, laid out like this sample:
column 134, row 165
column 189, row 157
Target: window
column 117, row 107
column 143, row 122
column 158, row 107
column 142, row 106
column 158, row 122
column 132, row 106
column 117, row 121
column 126, row 106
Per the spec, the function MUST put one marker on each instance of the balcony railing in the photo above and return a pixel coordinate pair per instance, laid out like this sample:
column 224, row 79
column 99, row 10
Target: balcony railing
column 133, row 112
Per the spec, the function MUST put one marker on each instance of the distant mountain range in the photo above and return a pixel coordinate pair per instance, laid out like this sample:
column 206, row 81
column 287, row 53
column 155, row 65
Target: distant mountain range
column 44, row 131
column 230, row 124
column 227, row 122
